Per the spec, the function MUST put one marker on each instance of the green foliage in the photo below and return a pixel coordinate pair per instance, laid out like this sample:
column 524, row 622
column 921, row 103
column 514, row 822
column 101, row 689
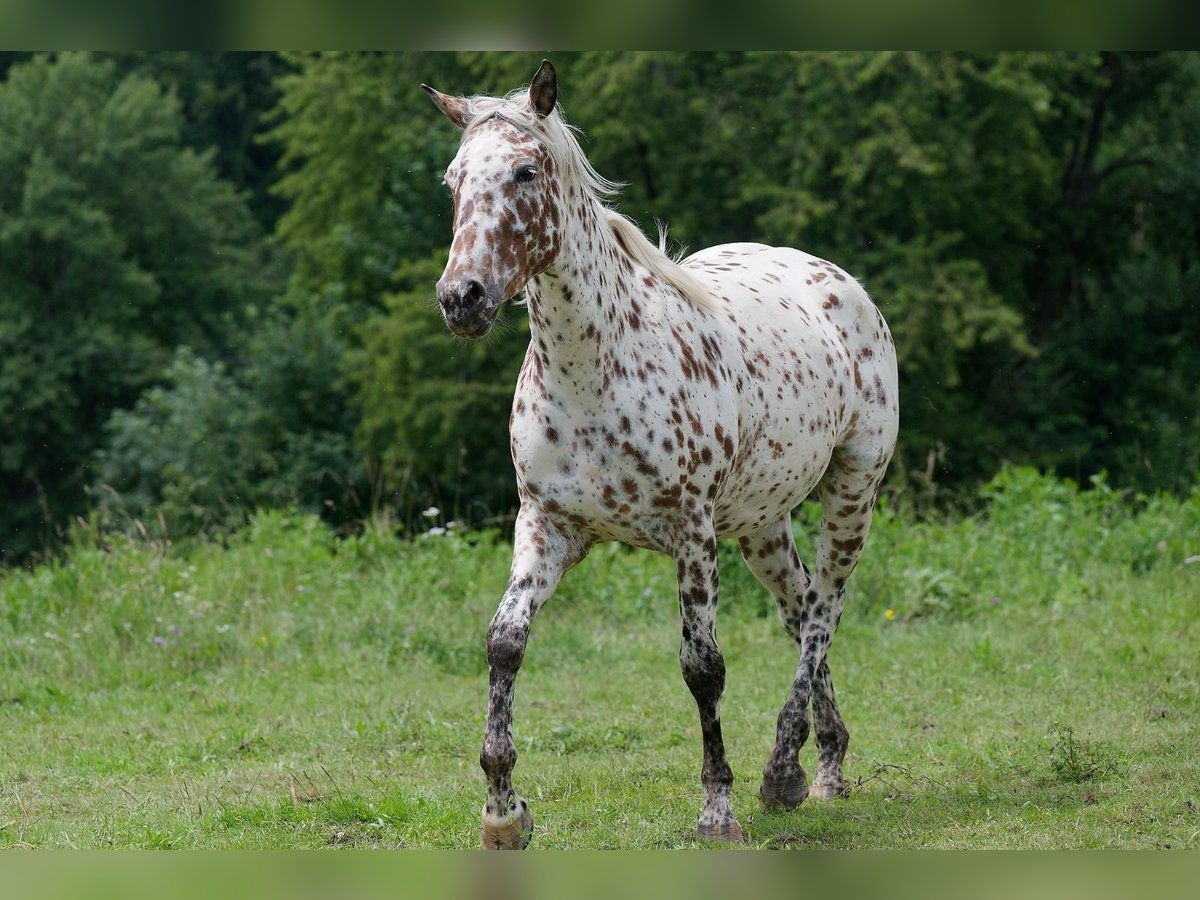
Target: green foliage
column 978, row 196
column 211, row 444
column 1115, row 292
column 117, row 243
column 1026, row 221
column 362, row 161
column 179, row 451
column 363, row 152
column 902, row 167
column 225, row 98
column 1063, row 536
column 434, row 407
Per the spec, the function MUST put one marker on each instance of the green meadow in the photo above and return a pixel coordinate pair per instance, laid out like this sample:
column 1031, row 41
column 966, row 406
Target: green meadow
column 1024, row 676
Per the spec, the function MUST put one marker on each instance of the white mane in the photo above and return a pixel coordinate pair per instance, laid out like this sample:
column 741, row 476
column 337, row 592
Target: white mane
column 558, row 137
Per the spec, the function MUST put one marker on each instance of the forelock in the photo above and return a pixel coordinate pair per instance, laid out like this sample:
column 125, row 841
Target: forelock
column 551, row 131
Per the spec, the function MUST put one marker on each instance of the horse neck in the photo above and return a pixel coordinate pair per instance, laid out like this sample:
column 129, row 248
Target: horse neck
column 577, row 306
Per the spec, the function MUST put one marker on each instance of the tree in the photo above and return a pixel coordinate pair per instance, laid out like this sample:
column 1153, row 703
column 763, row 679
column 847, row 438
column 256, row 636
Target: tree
column 434, row 408
column 117, row 243
column 364, row 151
column 1116, row 284
column 224, row 98
column 213, row 443
column 1026, row 221
column 1013, row 214
column 901, row 167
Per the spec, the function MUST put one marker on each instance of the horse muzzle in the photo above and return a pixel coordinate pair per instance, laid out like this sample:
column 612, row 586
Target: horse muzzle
column 469, row 306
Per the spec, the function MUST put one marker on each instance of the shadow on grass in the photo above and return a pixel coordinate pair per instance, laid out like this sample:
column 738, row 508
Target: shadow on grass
column 895, row 807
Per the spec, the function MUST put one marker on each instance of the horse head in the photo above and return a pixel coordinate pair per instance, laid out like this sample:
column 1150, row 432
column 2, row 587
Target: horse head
column 506, row 200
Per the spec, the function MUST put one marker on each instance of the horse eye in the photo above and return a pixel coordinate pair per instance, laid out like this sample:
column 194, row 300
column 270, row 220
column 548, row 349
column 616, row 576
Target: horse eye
column 525, row 174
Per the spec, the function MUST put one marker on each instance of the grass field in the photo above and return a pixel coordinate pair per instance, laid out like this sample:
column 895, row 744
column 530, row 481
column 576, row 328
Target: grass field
column 1036, row 683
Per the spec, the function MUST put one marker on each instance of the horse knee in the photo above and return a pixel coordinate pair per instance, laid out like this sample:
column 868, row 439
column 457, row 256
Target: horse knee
column 703, row 670
column 506, row 647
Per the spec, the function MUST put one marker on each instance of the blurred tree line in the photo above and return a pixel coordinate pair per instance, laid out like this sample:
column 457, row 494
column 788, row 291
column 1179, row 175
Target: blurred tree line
column 216, row 270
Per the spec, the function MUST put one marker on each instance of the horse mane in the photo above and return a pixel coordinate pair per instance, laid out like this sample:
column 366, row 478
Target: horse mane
column 559, row 139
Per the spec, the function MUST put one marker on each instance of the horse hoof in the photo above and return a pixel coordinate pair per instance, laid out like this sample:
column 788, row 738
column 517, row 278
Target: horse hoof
column 512, row 835
column 824, row 788
column 787, row 792
column 729, row 832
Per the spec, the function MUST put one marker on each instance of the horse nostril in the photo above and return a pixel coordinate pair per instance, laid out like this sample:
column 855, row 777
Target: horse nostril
column 473, row 292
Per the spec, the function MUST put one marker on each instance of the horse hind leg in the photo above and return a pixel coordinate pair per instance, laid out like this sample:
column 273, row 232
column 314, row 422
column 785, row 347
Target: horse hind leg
column 847, row 492
column 832, row 738
column 771, row 555
column 810, row 608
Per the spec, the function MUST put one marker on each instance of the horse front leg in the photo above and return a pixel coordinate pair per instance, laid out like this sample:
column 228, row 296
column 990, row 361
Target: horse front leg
column 704, row 673
column 541, row 555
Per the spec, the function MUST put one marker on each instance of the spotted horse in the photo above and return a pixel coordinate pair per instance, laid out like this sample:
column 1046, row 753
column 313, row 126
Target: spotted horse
column 665, row 404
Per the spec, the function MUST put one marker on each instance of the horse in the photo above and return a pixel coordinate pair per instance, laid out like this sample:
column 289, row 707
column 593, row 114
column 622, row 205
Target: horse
column 665, row 403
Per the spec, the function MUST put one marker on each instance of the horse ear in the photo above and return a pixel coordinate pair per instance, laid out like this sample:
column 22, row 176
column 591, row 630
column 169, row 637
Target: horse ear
column 543, row 90
column 457, row 109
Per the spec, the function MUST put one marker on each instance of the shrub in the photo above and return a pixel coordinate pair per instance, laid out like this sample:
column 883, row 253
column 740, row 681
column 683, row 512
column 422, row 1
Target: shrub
column 214, row 443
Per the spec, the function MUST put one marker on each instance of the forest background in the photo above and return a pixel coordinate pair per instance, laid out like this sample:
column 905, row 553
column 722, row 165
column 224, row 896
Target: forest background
column 216, row 270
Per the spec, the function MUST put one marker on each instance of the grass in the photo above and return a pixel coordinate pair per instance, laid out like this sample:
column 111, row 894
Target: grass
column 1035, row 684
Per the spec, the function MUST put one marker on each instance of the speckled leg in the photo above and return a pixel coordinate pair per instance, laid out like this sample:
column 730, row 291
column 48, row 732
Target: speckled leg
column 832, row 738
column 704, row 672
column 848, row 492
column 810, row 608
column 771, row 555
column 540, row 557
